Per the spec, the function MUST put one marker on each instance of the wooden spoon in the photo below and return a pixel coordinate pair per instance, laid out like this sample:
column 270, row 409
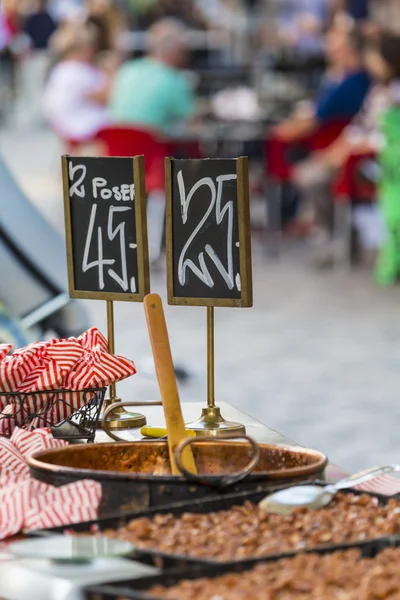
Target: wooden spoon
column 167, row 381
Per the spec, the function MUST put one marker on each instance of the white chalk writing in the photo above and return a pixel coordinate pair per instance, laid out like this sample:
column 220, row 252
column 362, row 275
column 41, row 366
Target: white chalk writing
column 77, row 188
column 221, row 212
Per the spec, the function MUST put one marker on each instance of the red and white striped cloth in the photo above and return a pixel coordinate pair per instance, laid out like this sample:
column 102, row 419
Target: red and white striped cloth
column 72, row 364
column 385, row 484
column 27, row 504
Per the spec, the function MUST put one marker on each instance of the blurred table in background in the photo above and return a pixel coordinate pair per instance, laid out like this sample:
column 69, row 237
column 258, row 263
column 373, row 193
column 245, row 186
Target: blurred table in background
column 223, row 139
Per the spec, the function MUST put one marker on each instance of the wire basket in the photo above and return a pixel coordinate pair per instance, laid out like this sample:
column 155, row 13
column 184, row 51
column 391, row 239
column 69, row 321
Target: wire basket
column 79, row 412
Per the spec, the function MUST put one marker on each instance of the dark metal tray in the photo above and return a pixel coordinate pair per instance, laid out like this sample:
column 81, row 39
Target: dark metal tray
column 212, row 504
column 135, row 589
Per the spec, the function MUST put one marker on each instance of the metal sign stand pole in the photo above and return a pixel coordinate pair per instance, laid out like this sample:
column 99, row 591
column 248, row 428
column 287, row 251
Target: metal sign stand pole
column 121, row 419
column 211, row 421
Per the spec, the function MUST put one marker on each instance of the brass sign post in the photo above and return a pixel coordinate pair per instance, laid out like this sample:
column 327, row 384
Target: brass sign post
column 121, row 419
column 211, row 420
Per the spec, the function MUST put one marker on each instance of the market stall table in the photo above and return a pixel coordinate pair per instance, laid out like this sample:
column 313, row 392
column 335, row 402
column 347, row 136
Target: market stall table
column 39, row 580
column 224, row 139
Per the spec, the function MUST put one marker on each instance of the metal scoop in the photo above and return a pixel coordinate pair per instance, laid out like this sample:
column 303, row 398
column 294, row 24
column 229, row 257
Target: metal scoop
column 315, row 496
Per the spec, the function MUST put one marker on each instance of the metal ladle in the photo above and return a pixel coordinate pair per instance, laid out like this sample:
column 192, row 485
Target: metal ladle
column 285, row 501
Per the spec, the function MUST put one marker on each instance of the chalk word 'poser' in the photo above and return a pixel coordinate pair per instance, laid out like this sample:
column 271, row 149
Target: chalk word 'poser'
column 122, row 193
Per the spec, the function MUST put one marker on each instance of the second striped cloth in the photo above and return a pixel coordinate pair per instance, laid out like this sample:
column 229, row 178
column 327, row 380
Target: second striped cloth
column 73, row 364
column 27, row 504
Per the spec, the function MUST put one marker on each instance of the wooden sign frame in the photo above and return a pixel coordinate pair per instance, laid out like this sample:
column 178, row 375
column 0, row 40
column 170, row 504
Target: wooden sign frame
column 245, row 264
column 141, row 237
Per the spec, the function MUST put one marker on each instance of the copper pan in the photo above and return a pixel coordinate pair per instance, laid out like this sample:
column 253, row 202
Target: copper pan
column 126, row 469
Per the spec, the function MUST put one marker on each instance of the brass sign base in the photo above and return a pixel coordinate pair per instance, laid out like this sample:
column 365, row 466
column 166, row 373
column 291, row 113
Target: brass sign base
column 212, row 423
column 122, row 419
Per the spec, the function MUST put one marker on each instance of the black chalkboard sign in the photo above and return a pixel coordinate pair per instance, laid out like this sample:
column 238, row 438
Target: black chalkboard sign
column 106, row 232
column 208, row 232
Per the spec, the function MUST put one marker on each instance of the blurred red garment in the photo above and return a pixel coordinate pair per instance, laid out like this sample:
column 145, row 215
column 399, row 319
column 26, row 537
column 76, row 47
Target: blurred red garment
column 350, row 186
column 4, row 33
column 278, row 165
column 12, row 25
column 76, row 94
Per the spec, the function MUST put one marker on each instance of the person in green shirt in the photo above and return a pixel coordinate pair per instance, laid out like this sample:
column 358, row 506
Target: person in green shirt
column 153, row 92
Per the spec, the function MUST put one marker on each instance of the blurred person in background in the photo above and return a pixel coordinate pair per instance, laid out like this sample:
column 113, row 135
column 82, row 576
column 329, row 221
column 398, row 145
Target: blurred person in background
column 152, row 91
column 342, row 91
column 301, row 24
column 137, row 10
column 76, row 95
column 205, row 16
column 68, row 11
column 13, row 17
column 109, row 21
column 218, row 12
column 39, row 26
column 3, row 32
column 297, row 25
column 154, row 94
column 361, row 137
column 4, row 67
column 359, row 10
column 189, row 12
column 12, row 23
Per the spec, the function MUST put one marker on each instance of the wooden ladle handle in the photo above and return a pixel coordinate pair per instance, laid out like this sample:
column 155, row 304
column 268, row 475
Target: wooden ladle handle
column 158, row 334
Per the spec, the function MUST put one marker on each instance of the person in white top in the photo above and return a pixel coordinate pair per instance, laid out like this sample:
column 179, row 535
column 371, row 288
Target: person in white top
column 76, row 95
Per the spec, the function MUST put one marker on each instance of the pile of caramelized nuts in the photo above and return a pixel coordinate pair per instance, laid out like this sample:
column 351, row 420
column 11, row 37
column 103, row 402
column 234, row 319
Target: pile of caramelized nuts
column 338, row 576
column 248, row 531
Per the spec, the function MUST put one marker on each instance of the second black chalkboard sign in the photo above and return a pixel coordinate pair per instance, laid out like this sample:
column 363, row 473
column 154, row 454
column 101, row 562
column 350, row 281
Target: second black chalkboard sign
column 208, row 232
column 105, row 217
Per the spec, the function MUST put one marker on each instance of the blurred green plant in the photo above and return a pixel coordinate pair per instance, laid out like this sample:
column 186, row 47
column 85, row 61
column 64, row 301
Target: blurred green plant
column 140, row 6
column 388, row 268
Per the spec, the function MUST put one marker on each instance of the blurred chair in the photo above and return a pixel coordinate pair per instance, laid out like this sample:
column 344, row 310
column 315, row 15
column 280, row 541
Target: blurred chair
column 350, row 190
column 125, row 140
column 350, row 185
column 278, row 169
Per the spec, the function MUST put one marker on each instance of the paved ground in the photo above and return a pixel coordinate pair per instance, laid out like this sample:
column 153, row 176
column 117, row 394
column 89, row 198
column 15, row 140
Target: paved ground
column 318, row 356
